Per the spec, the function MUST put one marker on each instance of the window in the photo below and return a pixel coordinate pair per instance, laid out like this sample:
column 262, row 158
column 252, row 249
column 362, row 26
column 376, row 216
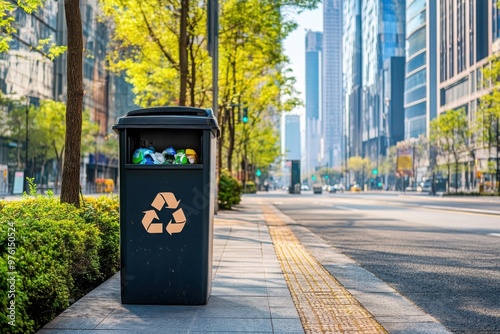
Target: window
column 416, row 22
column 416, row 62
column 414, row 8
column 443, row 56
column 461, row 52
column 416, row 110
column 416, row 41
column 471, row 33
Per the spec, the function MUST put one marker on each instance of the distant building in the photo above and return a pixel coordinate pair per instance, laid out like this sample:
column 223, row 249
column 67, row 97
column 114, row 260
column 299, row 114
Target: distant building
column 383, row 37
column 313, row 133
column 421, row 67
column 468, row 33
column 465, row 42
column 332, row 113
column 352, row 69
column 292, row 137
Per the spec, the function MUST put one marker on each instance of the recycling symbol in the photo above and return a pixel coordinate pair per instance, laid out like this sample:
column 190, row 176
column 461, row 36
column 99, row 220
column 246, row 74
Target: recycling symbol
column 164, row 200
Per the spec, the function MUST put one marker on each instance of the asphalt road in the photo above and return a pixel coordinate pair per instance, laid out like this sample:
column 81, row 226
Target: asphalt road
column 446, row 261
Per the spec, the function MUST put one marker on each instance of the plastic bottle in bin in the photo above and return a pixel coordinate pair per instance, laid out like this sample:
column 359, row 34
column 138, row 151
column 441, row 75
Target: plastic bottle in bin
column 181, row 158
column 169, row 154
column 143, row 156
column 191, row 156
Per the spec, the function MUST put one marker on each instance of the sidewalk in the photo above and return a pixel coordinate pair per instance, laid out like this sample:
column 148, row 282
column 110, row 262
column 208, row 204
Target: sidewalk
column 264, row 281
column 249, row 292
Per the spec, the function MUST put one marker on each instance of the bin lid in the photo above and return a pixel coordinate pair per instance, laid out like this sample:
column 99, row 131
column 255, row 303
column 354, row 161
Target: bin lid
column 169, row 117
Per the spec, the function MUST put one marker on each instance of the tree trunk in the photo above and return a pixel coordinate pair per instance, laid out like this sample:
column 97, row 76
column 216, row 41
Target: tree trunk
column 70, row 188
column 230, row 149
column 220, row 142
column 183, row 52
column 192, row 90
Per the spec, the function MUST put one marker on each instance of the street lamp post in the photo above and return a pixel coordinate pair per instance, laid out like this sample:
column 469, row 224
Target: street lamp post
column 387, row 102
column 26, row 186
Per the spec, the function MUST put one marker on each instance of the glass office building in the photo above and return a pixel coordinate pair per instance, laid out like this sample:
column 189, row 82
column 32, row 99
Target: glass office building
column 332, row 113
column 352, row 69
column 383, row 37
column 313, row 133
column 421, row 67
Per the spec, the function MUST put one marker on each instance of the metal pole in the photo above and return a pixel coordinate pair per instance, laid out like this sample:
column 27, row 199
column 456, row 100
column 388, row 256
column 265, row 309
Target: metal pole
column 27, row 147
column 27, row 137
column 498, row 160
column 245, row 172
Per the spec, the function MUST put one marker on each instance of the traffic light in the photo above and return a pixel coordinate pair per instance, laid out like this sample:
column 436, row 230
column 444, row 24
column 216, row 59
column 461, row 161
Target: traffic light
column 313, row 177
column 258, row 172
column 375, row 171
column 244, row 119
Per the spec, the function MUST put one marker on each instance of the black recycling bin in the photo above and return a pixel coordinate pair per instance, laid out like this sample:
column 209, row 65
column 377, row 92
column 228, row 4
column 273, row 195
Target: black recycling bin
column 167, row 194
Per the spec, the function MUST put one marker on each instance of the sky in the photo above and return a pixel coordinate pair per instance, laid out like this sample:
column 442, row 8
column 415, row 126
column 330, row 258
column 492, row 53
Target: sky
column 295, row 46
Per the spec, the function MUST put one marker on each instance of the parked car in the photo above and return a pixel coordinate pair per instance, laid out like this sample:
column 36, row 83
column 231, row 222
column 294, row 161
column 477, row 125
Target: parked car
column 337, row 187
column 355, row 188
column 317, row 189
column 427, row 186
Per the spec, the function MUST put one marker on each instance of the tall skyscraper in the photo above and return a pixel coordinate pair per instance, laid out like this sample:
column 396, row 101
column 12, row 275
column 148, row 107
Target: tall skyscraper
column 421, row 67
column 314, row 42
column 292, row 137
column 332, row 115
column 383, row 37
column 352, row 69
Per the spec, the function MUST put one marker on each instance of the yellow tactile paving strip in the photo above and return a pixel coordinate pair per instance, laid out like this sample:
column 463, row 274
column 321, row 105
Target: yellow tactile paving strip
column 323, row 304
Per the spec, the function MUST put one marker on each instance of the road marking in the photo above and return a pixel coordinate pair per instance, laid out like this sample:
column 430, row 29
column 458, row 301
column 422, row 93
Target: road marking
column 323, row 304
column 345, row 208
column 494, row 234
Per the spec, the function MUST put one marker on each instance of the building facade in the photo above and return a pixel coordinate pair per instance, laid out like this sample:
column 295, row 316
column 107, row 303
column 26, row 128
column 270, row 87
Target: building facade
column 313, row 129
column 468, row 33
column 26, row 71
column 352, row 69
column 383, row 37
column 421, row 67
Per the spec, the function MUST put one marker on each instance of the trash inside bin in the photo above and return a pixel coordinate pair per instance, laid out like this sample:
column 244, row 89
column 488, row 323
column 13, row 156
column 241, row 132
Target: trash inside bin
column 167, row 198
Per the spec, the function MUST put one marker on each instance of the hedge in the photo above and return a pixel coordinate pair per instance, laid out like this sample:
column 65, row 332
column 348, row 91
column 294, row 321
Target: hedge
column 52, row 254
column 230, row 190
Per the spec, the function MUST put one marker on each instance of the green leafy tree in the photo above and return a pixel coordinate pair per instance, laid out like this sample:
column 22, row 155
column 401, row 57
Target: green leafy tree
column 450, row 133
column 13, row 125
column 7, row 9
column 49, row 129
column 361, row 167
column 251, row 60
column 161, row 47
column 387, row 167
column 487, row 124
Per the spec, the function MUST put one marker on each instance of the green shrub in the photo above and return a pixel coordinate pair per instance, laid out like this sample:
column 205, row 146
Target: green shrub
column 104, row 213
column 250, row 188
column 60, row 253
column 229, row 190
